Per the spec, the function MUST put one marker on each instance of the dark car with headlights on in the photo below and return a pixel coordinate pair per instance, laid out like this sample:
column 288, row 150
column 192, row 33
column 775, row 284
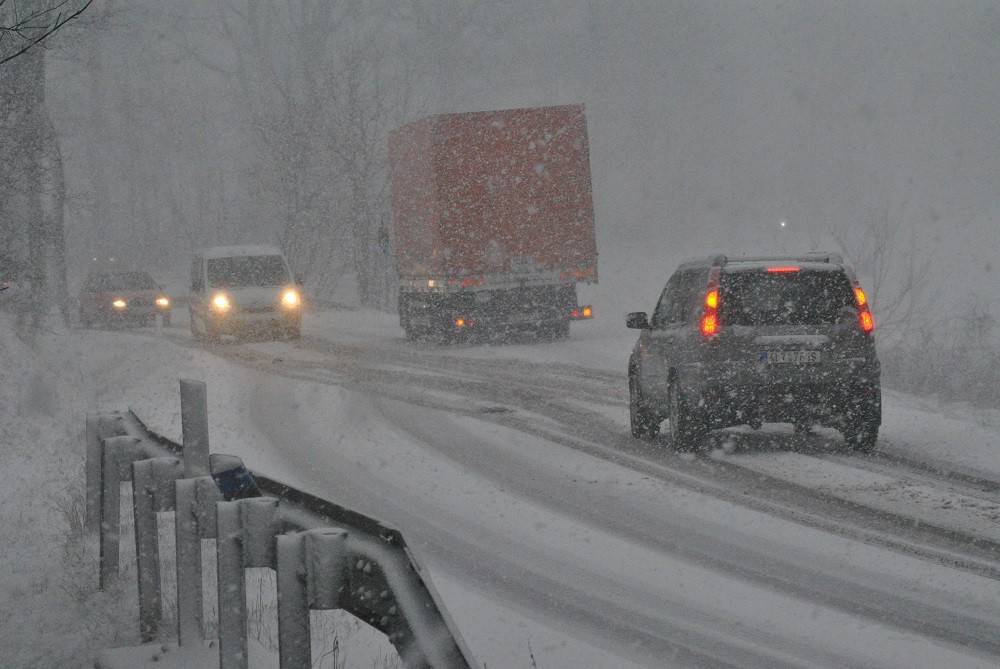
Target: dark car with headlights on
column 751, row 340
column 122, row 297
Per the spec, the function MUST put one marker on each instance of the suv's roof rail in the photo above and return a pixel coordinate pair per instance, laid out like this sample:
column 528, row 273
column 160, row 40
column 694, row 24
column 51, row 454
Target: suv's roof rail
column 812, row 256
column 824, row 256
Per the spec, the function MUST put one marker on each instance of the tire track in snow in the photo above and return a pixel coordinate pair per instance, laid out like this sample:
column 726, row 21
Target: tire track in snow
column 577, row 428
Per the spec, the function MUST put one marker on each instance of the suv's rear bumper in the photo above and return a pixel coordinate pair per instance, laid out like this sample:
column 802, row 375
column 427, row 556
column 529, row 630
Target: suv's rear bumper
column 825, row 395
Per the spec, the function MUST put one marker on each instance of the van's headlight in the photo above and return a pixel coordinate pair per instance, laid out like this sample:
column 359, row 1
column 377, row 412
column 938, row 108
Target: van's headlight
column 290, row 298
column 220, row 302
column 119, row 303
column 163, row 301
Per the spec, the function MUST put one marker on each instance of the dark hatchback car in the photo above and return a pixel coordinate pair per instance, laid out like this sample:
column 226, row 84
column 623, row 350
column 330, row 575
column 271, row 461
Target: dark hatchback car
column 122, row 296
column 754, row 340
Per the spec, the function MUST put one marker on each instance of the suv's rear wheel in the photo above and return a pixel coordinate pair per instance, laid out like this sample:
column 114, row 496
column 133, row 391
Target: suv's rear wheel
column 687, row 430
column 645, row 424
column 861, row 421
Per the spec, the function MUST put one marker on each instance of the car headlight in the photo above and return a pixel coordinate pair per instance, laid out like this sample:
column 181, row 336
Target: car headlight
column 220, row 302
column 290, row 298
column 119, row 303
column 163, row 302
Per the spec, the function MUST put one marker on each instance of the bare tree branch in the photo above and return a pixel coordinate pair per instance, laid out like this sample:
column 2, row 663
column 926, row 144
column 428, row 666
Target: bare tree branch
column 33, row 33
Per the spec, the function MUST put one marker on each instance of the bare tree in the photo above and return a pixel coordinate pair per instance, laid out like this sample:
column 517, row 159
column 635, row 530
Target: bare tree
column 320, row 89
column 25, row 24
column 891, row 259
column 32, row 188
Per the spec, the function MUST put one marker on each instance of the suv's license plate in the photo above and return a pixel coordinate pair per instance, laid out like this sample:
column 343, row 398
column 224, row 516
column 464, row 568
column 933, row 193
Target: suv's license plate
column 778, row 357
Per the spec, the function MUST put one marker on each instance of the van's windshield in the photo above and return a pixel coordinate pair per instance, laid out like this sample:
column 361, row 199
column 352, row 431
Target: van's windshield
column 245, row 271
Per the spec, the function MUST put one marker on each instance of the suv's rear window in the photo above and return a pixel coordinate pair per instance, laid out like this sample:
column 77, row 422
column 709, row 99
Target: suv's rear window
column 247, row 271
column 758, row 297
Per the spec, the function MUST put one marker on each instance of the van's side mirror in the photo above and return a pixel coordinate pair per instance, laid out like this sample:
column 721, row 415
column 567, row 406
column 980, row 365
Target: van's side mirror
column 637, row 320
column 299, row 280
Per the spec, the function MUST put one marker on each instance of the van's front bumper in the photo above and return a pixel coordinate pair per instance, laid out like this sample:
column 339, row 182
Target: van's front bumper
column 250, row 322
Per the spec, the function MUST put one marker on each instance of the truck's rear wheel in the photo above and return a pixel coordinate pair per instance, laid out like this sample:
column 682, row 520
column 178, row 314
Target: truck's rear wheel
column 555, row 329
column 412, row 333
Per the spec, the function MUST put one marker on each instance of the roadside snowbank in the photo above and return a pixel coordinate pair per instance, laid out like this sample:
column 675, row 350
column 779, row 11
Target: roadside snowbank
column 53, row 615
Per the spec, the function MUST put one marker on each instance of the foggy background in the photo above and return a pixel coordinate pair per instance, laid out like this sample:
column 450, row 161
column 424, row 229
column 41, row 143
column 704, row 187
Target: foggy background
column 868, row 127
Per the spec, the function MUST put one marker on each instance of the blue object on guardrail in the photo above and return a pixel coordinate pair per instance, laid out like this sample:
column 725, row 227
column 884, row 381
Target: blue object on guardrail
column 232, row 477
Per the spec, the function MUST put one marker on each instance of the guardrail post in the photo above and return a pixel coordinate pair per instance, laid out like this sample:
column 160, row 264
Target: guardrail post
column 195, row 497
column 116, row 450
column 294, row 636
column 312, row 574
column 246, row 531
column 232, row 588
column 99, row 427
column 194, row 427
column 152, row 491
column 93, row 465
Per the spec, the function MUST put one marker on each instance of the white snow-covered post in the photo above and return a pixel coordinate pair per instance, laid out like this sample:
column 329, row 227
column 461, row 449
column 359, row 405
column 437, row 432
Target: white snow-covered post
column 195, row 520
column 194, row 427
column 152, row 491
column 246, row 531
column 117, row 453
column 312, row 574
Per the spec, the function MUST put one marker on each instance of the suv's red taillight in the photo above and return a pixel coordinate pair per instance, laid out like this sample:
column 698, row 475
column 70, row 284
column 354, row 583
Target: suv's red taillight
column 865, row 319
column 709, row 324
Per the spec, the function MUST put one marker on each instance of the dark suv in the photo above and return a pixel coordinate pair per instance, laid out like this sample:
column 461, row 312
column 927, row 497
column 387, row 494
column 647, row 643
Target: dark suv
column 753, row 340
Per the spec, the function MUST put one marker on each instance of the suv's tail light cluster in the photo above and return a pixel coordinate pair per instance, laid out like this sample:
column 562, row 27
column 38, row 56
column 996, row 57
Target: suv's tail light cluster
column 865, row 319
column 709, row 324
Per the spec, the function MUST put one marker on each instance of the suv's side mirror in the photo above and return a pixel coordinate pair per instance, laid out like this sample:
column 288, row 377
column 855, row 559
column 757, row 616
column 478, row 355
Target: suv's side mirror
column 637, row 320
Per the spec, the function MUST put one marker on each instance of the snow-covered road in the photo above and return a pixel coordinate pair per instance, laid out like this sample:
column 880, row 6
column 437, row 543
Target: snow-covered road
column 557, row 539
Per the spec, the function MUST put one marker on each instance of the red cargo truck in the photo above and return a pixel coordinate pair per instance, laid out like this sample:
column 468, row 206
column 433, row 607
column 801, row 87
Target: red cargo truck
column 493, row 221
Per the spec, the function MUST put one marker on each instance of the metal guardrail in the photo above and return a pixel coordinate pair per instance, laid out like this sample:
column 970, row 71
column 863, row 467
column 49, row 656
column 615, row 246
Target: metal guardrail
column 325, row 556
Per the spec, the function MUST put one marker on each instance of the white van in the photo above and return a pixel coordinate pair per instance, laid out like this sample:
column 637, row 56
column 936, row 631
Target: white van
column 242, row 290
